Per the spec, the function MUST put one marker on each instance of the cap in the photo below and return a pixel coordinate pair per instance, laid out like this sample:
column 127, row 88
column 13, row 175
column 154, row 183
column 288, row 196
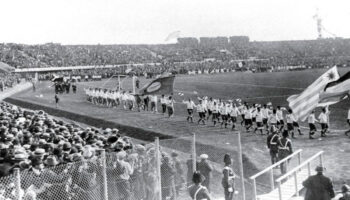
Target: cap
column 204, row 156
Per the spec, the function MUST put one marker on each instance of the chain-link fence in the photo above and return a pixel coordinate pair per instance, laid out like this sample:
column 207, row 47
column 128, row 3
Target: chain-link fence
column 157, row 171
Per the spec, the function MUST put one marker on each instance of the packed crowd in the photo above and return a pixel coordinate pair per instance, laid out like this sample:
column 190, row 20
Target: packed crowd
column 8, row 81
column 314, row 53
column 53, row 155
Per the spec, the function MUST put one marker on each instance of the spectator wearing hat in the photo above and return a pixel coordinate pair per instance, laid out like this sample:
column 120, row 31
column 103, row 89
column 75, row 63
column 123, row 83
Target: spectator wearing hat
column 205, row 168
column 126, row 170
column 345, row 190
column 318, row 186
column 179, row 172
column 167, row 179
column 197, row 191
column 228, row 178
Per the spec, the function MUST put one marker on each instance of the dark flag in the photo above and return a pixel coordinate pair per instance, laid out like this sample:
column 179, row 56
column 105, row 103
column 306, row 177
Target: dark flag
column 162, row 85
column 335, row 91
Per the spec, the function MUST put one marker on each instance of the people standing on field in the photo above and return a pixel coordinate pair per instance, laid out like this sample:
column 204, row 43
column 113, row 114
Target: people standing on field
column 190, row 106
column 323, row 119
column 311, row 120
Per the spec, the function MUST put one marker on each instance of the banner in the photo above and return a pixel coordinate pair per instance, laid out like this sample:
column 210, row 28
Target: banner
column 162, row 85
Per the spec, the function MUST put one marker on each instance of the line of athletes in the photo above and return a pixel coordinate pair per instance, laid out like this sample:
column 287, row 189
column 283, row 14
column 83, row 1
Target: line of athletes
column 114, row 98
column 253, row 115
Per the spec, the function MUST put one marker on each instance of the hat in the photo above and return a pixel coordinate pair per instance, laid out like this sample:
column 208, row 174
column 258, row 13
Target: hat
column 66, row 146
column 9, row 137
column 140, row 147
column 20, row 157
column 3, row 146
column 39, row 152
column 204, row 156
column 345, row 188
column 319, row 169
column 51, row 161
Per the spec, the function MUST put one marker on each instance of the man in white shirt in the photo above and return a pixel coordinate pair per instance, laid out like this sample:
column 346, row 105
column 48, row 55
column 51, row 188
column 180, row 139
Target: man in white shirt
column 323, row 118
column 224, row 114
column 248, row 118
column 259, row 121
column 190, row 106
column 265, row 114
column 311, row 120
column 280, row 119
column 201, row 112
column 234, row 112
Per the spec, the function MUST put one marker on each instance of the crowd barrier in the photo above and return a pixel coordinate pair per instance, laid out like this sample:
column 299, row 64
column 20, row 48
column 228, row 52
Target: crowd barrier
column 156, row 175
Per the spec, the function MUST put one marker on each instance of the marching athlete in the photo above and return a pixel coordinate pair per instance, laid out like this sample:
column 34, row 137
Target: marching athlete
column 215, row 111
column 265, row 115
column 280, row 118
column 273, row 118
column 190, row 106
column 311, row 120
column 224, row 113
column 234, row 112
column 248, row 118
column 201, row 112
column 323, row 119
column 259, row 121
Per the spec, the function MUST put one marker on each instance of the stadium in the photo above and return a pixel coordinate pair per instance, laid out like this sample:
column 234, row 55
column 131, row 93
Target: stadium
column 180, row 120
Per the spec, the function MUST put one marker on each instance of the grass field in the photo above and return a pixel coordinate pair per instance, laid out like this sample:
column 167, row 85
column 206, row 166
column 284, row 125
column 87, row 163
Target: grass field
column 253, row 88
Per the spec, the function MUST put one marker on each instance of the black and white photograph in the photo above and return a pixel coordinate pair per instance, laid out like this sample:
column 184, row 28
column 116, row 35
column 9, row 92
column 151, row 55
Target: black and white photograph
column 175, row 100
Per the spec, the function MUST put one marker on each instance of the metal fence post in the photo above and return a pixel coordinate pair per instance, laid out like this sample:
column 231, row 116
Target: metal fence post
column 272, row 181
column 18, row 184
column 241, row 164
column 158, row 163
column 194, row 154
column 104, row 174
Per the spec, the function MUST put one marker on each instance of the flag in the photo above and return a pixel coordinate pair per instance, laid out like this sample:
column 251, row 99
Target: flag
column 173, row 35
column 162, row 85
column 336, row 91
column 302, row 104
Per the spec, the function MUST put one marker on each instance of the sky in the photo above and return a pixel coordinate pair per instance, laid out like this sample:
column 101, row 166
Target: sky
column 151, row 21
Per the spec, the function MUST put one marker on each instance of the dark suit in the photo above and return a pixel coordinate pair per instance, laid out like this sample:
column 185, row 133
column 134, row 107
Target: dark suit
column 318, row 187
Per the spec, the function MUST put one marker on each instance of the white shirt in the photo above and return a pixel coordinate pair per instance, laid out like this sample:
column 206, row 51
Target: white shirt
column 153, row 98
column 163, row 100
column 234, row 112
column 290, row 118
column 259, row 116
column 223, row 110
column 349, row 114
column 189, row 104
column 311, row 119
column 323, row 118
column 247, row 114
column 265, row 113
column 273, row 118
column 279, row 115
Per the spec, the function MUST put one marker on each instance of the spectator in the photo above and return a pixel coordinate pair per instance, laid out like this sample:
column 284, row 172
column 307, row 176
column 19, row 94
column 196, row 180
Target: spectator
column 205, row 169
column 318, row 186
column 197, row 191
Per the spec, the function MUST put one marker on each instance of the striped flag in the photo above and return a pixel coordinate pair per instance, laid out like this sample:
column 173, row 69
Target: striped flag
column 302, row 104
column 336, row 91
